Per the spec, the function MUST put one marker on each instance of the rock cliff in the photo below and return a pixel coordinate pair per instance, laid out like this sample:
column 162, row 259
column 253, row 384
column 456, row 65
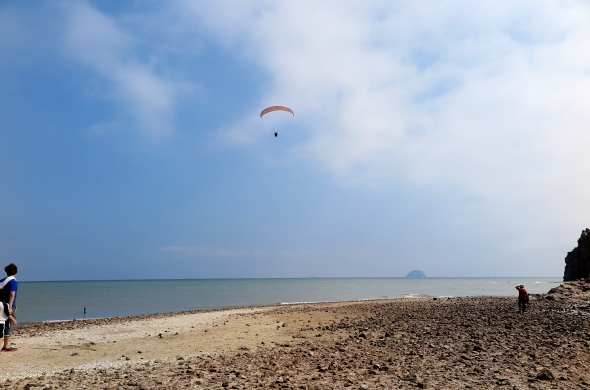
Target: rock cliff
column 577, row 262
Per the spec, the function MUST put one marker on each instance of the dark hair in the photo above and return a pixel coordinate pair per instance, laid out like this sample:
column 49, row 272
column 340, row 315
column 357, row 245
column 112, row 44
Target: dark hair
column 11, row 269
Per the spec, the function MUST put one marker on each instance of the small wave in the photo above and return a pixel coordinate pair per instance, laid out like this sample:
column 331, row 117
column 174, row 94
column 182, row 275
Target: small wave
column 416, row 296
column 345, row 300
column 58, row 321
column 305, row 303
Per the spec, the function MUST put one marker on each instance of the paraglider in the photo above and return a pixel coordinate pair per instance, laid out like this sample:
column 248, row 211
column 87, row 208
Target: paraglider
column 276, row 108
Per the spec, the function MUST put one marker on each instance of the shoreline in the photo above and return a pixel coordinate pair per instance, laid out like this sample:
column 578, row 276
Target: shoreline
column 463, row 342
column 271, row 305
column 131, row 316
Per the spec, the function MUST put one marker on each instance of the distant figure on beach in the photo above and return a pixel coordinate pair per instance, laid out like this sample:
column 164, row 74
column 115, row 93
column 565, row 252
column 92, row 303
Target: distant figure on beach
column 8, row 289
column 5, row 315
column 523, row 298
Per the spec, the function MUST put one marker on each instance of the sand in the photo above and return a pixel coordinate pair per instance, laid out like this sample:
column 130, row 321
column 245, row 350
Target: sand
column 476, row 343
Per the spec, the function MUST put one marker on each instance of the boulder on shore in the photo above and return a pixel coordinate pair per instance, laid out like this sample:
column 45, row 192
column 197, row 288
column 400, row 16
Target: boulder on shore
column 577, row 262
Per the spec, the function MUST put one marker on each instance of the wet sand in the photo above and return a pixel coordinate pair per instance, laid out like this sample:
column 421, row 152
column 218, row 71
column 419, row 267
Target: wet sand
column 457, row 343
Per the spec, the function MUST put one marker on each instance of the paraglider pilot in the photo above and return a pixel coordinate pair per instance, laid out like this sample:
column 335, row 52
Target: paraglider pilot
column 276, row 133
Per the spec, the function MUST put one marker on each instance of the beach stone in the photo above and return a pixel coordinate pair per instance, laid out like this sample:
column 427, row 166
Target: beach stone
column 422, row 383
column 545, row 375
column 366, row 335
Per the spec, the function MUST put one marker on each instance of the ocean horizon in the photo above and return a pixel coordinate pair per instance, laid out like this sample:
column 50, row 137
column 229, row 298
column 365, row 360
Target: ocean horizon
column 40, row 301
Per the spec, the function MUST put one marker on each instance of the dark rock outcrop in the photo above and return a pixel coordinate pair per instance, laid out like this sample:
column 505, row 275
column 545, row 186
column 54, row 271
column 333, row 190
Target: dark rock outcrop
column 577, row 262
column 577, row 290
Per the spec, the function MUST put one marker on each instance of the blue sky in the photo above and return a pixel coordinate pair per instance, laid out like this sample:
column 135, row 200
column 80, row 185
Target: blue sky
column 450, row 137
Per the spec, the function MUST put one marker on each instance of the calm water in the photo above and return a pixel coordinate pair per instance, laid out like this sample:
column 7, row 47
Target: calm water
column 47, row 301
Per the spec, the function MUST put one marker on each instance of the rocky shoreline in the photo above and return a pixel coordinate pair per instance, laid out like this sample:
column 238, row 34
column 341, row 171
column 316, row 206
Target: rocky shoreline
column 454, row 343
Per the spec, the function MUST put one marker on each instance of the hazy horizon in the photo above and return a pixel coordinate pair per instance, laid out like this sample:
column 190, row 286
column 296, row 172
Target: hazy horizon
column 304, row 277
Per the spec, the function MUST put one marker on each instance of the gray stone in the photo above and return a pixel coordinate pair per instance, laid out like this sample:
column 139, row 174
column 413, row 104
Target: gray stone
column 545, row 375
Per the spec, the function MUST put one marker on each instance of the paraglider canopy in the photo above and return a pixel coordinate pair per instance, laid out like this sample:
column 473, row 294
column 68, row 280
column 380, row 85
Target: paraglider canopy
column 276, row 108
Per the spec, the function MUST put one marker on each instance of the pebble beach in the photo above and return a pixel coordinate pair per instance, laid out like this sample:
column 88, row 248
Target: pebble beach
column 424, row 343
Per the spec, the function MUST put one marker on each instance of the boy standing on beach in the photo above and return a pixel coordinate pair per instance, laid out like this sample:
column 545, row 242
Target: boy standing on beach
column 523, row 298
column 8, row 288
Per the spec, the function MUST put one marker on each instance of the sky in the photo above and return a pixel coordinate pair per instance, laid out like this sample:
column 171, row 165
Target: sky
column 450, row 137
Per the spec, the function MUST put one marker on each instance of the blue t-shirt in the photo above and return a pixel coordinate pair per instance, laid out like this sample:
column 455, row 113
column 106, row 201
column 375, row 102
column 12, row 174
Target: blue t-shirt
column 10, row 286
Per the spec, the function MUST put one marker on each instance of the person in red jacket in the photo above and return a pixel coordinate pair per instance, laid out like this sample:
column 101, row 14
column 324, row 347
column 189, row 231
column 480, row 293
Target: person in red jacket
column 523, row 298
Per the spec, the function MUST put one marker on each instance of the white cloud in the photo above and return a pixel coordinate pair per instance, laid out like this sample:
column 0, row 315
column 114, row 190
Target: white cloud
column 483, row 97
column 195, row 252
column 98, row 43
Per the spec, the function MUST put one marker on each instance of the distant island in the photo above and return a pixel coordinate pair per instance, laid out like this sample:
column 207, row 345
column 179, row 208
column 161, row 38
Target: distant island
column 416, row 274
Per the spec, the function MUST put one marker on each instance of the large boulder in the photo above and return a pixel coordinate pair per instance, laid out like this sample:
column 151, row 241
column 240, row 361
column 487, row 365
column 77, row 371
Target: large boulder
column 577, row 262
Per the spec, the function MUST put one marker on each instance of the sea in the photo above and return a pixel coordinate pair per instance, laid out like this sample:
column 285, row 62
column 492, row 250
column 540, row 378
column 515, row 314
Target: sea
column 66, row 300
